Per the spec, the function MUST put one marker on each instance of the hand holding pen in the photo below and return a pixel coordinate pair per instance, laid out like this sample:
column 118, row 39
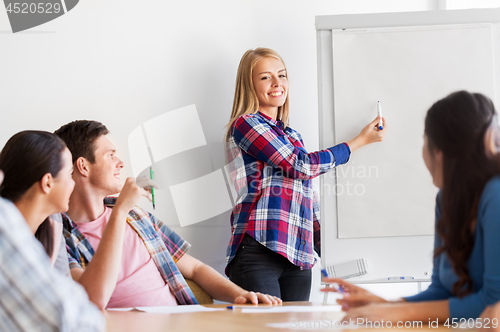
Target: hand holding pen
column 353, row 296
column 371, row 133
column 149, row 184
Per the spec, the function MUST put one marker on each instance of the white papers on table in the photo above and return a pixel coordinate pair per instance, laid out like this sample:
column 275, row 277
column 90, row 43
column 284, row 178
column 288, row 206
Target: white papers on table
column 326, row 308
column 177, row 309
column 323, row 324
column 120, row 309
column 244, row 309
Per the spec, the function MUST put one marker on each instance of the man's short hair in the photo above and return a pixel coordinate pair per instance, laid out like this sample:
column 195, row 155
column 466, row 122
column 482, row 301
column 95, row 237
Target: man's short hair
column 80, row 137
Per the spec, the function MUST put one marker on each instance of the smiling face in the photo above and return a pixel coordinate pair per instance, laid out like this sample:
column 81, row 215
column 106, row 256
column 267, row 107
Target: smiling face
column 270, row 82
column 63, row 184
column 104, row 174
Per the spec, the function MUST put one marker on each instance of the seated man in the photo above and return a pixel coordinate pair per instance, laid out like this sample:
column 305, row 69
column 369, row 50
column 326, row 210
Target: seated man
column 121, row 254
column 34, row 297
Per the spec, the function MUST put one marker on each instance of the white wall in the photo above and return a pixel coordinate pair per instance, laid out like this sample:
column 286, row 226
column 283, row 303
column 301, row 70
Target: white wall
column 466, row 4
column 125, row 62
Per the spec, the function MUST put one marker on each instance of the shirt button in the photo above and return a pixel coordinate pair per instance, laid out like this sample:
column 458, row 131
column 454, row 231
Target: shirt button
column 303, row 242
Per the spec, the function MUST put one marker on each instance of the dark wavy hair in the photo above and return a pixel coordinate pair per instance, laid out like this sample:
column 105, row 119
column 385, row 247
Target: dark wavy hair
column 25, row 159
column 461, row 126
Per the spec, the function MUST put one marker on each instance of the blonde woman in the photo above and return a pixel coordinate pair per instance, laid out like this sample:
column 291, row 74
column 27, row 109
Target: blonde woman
column 275, row 222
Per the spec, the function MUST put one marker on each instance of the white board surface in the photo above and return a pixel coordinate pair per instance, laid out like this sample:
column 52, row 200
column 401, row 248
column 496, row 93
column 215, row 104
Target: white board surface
column 391, row 192
column 348, row 92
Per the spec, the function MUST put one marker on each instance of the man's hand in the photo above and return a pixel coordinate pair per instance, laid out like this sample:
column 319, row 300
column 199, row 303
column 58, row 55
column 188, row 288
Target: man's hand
column 146, row 183
column 130, row 195
column 256, row 298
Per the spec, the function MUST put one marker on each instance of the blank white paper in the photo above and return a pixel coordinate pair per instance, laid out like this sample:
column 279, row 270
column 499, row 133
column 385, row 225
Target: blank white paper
column 201, row 199
column 174, row 132
column 178, row 309
column 138, row 151
column 385, row 188
column 292, row 308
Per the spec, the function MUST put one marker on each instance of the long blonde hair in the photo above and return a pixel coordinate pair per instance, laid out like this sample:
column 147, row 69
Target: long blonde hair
column 245, row 98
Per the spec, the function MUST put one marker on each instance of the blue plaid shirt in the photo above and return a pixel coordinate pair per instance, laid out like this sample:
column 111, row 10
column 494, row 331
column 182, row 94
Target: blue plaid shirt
column 272, row 171
column 34, row 297
column 162, row 243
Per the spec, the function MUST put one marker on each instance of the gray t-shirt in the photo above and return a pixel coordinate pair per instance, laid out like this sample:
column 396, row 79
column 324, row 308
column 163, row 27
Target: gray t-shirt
column 61, row 264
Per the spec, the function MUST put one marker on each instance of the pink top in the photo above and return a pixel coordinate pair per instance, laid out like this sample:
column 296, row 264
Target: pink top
column 139, row 281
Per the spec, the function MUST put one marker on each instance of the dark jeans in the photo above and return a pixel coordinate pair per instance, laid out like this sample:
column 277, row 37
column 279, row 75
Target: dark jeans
column 259, row 269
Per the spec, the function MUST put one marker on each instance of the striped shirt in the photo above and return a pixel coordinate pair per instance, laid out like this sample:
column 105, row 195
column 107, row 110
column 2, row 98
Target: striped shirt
column 276, row 204
column 162, row 243
column 34, row 297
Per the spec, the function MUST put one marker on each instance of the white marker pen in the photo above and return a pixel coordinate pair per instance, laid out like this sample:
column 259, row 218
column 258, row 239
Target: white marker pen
column 400, row 278
column 379, row 113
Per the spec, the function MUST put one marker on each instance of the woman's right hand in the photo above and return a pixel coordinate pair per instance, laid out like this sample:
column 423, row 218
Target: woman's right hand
column 491, row 315
column 354, row 296
column 369, row 134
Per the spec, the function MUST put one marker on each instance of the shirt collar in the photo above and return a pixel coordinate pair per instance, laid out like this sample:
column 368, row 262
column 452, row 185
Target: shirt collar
column 271, row 120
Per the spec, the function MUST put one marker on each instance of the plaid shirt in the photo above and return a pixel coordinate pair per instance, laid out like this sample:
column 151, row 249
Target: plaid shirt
column 272, row 172
column 34, row 297
column 163, row 244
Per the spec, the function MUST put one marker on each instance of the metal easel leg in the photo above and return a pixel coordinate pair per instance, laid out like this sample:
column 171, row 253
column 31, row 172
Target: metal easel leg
column 325, row 296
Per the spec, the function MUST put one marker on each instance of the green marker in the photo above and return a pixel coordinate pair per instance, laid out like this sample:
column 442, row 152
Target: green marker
column 152, row 177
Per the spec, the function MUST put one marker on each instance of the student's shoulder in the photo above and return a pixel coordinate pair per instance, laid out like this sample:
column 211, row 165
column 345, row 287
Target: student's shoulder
column 250, row 124
column 294, row 133
column 12, row 223
column 251, row 120
column 492, row 187
column 156, row 225
column 137, row 213
column 490, row 197
column 251, row 116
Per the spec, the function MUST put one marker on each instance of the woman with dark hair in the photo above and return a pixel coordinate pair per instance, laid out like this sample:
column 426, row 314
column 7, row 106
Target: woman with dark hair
column 461, row 153
column 38, row 180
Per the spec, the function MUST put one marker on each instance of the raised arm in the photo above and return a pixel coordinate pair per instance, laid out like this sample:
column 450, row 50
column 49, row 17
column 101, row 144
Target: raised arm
column 257, row 138
column 100, row 276
column 369, row 134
